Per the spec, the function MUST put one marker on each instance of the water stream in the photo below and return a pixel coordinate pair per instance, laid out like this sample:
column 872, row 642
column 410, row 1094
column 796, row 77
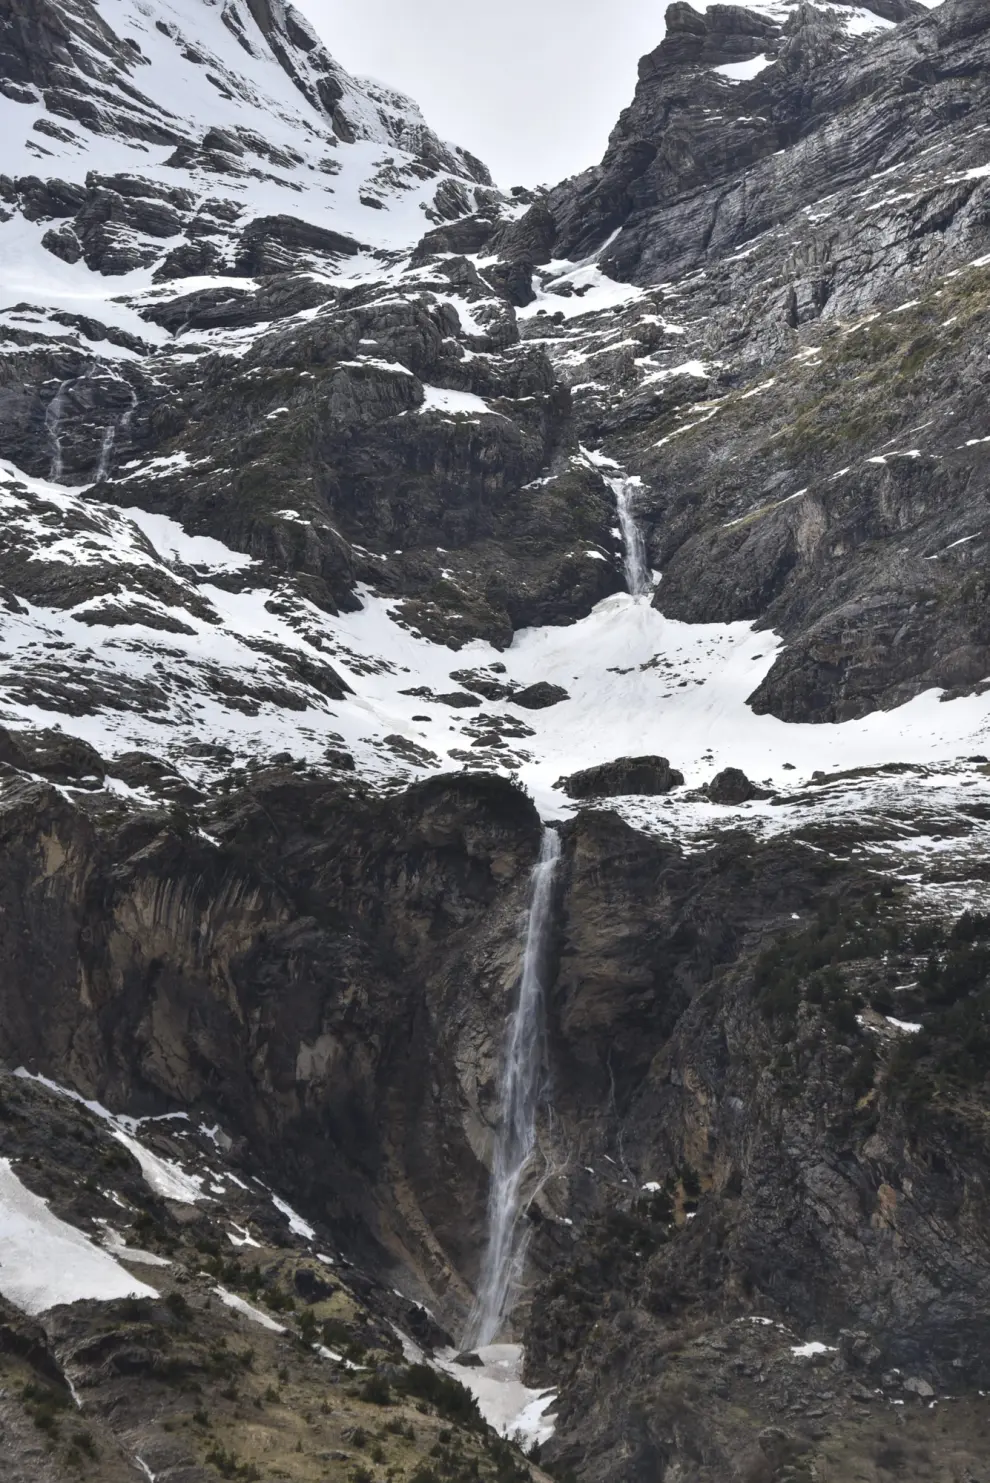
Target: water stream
column 53, row 420
column 638, row 581
column 110, row 433
column 521, row 1088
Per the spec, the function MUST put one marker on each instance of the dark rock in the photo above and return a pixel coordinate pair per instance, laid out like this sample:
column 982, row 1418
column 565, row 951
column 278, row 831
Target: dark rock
column 53, row 755
column 341, row 760
column 468, row 235
column 458, row 699
column 142, row 770
column 539, row 696
column 651, row 775
column 731, row 785
column 272, row 244
column 63, row 243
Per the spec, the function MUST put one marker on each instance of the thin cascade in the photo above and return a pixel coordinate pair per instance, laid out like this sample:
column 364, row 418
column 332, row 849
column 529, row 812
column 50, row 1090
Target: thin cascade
column 53, row 424
column 634, row 560
column 110, row 433
column 106, row 449
column 521, row 1089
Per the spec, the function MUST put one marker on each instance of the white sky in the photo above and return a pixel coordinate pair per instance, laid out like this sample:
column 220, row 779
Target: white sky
column 531, row 86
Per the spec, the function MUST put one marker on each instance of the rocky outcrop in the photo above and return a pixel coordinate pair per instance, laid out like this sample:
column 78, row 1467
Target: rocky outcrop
column 649, row 775
column 731, row 785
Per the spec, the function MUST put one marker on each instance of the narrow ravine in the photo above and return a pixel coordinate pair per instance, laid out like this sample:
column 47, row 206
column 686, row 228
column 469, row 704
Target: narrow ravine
column 521, row 1088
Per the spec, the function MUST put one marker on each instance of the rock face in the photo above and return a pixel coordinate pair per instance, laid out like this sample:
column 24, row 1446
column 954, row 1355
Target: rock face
column 650, row 775
column 347, row 502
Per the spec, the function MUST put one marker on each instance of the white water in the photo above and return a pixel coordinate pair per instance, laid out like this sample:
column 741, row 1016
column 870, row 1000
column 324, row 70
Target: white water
column 53, row 419
column 103, row 467
column 633, row 545
column 521, row 1087
column 110, row 433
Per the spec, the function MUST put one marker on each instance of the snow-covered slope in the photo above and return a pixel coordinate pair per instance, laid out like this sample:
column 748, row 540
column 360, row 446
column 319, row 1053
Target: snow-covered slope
column 248, row 402
column 159, row 91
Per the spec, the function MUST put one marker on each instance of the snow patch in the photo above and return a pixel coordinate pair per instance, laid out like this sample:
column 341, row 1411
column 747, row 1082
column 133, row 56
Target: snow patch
column 512, row 1408
column 248, row 1310
column 45, row 1262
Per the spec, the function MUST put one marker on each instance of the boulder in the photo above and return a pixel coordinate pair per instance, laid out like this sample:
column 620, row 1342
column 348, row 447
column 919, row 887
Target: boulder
column 537, row 697
column 731, row 785
column 652, row 775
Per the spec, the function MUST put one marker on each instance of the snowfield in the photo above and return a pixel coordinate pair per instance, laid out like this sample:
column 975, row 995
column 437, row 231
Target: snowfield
column 44, row 1262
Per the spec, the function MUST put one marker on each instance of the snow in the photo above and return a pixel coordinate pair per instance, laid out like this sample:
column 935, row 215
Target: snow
column 512, row 1408
column 807, row 1351
column 460, row 403
column 680, row 689
column 248, row 1310
column 593, row 290
column 908, row 1026
column 241, row 1236
column 743, row 71
column 313, row 176
column 44, row 1261
column 114, row 1242
column 297, row 1225
column 173, row 544
column 166, row 1178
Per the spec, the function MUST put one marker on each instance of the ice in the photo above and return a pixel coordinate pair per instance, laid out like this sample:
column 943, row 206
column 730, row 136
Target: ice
column 44, row 1261
column 247, row 1310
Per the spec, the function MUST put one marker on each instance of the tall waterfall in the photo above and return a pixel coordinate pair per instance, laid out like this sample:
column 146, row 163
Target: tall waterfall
column 53, row 419
column 633, row 544
column 520, row 1088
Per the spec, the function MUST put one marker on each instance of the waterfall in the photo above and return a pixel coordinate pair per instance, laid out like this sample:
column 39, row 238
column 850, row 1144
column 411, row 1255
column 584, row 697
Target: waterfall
column 633, row 545
column 53, row 419
column 110, row 433
column 521, row 1086
column 106, row 448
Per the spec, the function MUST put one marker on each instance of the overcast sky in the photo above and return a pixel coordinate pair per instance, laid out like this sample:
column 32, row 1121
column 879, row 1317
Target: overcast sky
column 532, row 86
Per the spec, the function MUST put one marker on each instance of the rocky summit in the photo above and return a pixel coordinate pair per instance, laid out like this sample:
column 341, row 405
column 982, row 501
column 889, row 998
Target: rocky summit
column 494, row 735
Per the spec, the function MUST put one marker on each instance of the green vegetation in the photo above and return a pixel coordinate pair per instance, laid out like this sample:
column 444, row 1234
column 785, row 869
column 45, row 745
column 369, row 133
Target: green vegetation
column 803, row 966
column 450, row 1399
column 45, row 1406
